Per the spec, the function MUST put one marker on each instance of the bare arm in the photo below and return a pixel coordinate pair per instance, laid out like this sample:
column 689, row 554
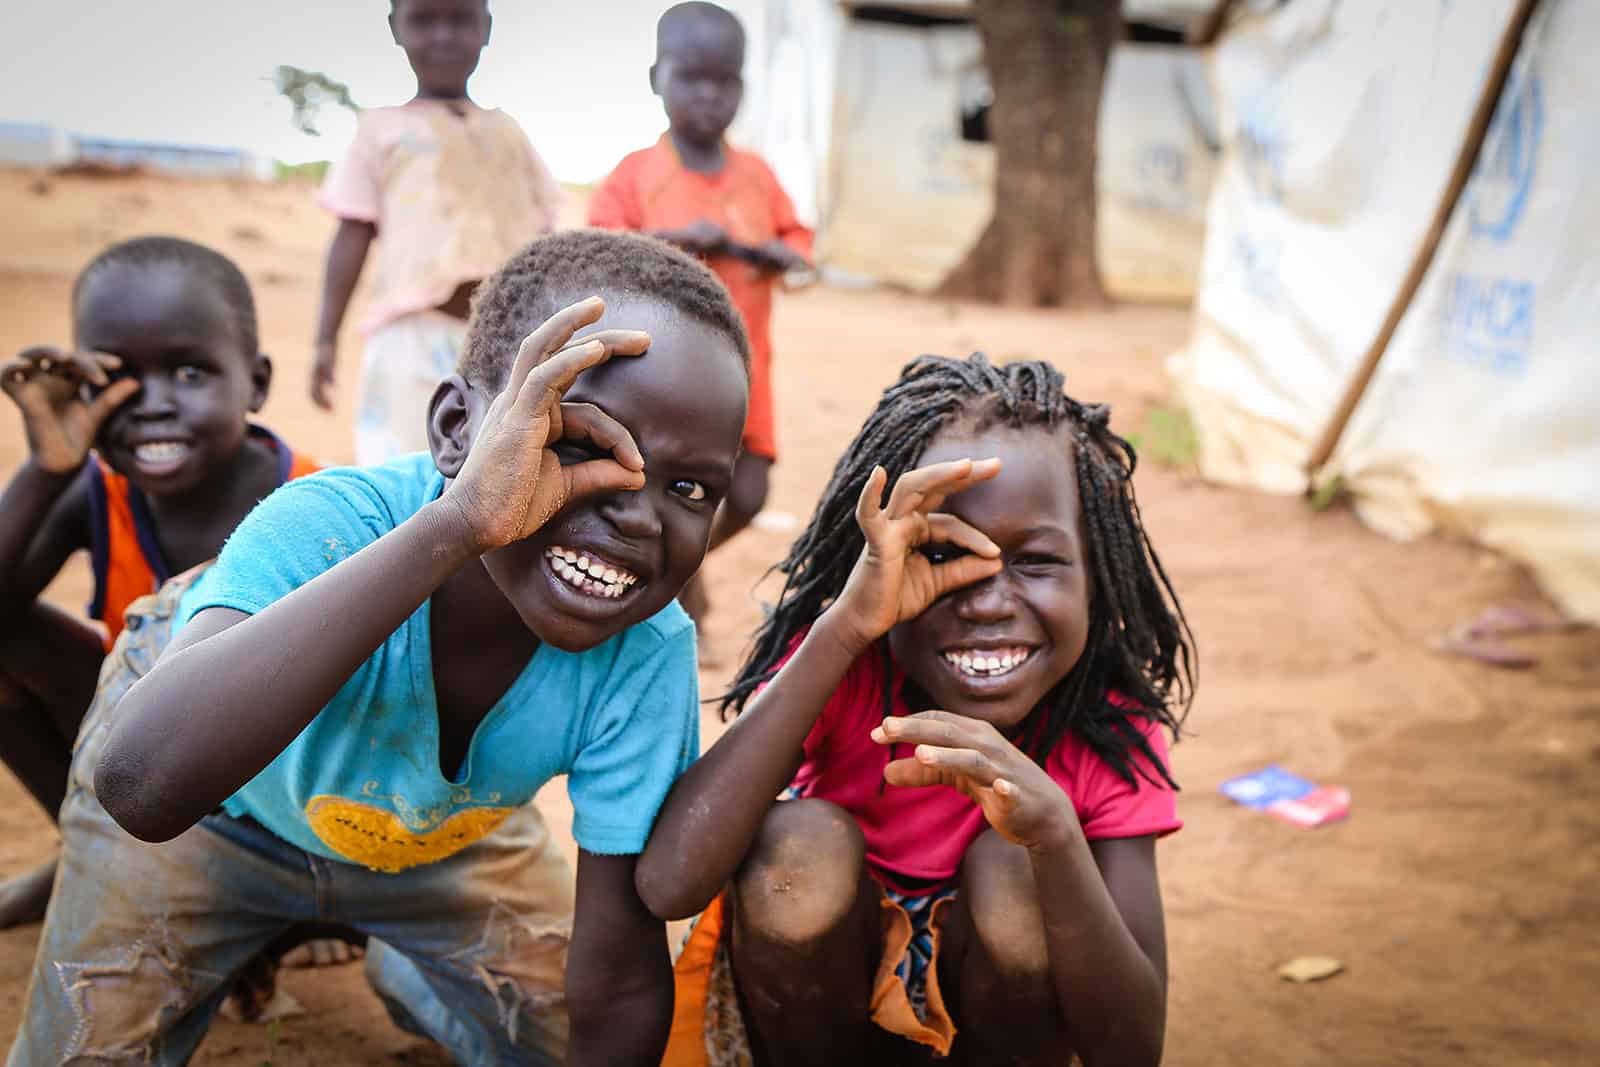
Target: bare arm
column 184, row 741
column 1101, row 902
column 43, row 520
column 712, row 814
column 233, row 690
column 619, row 973
column 1107, row 943
column 347, row 254
column 64, row 398
column 716, row 807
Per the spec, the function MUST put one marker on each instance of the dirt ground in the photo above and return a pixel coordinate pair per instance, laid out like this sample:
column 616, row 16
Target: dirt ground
column 1460, row 894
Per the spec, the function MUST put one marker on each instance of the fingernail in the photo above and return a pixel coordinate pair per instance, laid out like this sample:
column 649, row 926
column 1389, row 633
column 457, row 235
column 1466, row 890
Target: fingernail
column 924, row 754
column 878, row 734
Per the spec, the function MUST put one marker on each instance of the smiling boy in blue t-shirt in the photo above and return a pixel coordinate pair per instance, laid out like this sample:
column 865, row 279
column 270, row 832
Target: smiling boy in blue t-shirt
column 385, row 664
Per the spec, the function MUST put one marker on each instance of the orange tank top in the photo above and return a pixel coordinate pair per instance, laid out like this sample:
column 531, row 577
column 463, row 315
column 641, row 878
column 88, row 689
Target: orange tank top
column 123, row 546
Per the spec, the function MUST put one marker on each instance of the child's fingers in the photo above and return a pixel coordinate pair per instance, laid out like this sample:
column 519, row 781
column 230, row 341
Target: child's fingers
column 930, row 728
column 962, row 762
column 946, row 529
column 604, row 475
column 551, row 334
column 908, row 773
column 869, row 505
column 111, row 398
column 85, row 367
column 960, row 573
column 555, row 375
column 585, row 422
column 926, row 488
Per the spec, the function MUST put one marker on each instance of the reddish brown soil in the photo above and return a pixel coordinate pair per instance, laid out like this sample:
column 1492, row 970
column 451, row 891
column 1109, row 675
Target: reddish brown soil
column 1461, row 893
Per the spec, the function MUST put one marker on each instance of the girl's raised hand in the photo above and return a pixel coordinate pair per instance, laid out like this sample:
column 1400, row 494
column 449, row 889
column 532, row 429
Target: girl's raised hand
column 892, row 580
column 1018, row 798
column 60, row 421
column 512, row 481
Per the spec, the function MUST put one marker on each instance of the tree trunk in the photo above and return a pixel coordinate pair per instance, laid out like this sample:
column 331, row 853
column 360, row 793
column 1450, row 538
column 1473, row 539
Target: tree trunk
column 1047, row 61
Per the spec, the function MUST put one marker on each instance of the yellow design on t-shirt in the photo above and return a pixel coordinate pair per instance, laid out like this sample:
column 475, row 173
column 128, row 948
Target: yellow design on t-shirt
column 376, row 838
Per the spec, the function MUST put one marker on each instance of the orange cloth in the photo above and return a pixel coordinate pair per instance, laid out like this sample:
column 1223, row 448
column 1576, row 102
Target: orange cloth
column 651, row 189
column 702, row 1015
column 124, row 549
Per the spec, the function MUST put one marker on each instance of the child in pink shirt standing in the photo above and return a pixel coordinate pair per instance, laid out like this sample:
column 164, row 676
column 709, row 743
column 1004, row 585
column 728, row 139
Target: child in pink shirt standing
column 963, row 688
column 449, row 190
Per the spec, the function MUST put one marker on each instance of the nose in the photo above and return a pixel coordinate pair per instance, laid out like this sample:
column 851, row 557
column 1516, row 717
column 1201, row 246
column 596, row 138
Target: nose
column 155, row 398
column 632, row 513
column 988, row 601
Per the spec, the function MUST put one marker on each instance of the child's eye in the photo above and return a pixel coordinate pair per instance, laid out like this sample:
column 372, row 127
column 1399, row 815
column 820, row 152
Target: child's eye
column 188, row 374
column 1039, row 562
column 942, row 553
column 689, row 489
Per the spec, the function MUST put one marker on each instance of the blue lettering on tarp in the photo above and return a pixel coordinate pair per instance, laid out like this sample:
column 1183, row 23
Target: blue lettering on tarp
column 1488, row 323
column 1257, row 260
column 1163, row 179
column 1502, row 180
column 1263, row 144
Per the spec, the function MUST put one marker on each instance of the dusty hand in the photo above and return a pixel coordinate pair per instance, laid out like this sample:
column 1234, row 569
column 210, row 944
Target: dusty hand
column 512, row 481
column 892, row 580
column 1017, row 797
column 60, row 423
column 322, row 374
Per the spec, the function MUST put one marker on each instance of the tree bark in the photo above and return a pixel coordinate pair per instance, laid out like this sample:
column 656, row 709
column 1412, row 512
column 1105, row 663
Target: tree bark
column 1047, row 63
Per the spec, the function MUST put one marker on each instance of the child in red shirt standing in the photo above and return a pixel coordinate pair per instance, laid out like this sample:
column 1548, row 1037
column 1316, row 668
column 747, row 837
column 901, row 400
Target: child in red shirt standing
column 718, row 202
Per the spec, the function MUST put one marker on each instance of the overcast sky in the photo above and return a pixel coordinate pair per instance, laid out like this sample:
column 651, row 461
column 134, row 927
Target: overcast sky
column 199, row 71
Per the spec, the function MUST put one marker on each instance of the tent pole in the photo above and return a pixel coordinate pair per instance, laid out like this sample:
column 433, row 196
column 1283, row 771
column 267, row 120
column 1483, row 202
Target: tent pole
column 1477, row 130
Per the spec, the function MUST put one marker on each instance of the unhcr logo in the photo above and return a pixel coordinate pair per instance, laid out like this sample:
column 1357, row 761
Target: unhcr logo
column 1503, row 179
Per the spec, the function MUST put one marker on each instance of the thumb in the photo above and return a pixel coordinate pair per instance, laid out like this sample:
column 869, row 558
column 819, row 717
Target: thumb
column 111, row 398
column 602, row 475
column 963, row 572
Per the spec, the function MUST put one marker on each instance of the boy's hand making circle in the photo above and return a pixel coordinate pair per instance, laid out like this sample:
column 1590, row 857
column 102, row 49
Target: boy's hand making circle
column 1015, row 794
column 60, row 416
column 512, row 481
column 893, row 580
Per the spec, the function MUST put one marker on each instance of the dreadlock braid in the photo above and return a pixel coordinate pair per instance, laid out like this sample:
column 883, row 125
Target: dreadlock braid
column 1139, row 643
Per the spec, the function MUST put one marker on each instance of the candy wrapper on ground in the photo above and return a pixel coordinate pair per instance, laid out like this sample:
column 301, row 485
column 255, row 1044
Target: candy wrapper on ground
column 1287, row 796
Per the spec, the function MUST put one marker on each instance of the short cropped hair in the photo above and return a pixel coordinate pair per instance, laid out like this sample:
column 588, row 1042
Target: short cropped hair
column 208, row 262
column 553, row 271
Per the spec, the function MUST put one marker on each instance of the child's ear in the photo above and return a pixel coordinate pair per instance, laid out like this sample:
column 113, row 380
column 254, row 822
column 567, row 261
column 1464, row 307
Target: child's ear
column 453, row 417
column 260, row 381
column 654, row 88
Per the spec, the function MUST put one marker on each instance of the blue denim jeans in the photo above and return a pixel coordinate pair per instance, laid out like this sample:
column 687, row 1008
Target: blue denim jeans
column 141, row 940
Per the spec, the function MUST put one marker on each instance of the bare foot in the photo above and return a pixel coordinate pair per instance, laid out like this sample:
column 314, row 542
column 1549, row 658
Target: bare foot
column 322, row 952
column 23, row 899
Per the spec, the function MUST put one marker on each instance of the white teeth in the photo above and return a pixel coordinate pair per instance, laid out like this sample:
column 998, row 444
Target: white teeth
column 985, row 665
column 160, row 451
column 590, row 576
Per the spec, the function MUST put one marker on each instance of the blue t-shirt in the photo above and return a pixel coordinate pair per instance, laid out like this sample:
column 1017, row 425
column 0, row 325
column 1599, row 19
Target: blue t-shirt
column 362, row 781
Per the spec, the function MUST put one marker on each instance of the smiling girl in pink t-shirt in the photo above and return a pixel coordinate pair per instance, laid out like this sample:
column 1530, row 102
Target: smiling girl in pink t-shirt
column 975, row 879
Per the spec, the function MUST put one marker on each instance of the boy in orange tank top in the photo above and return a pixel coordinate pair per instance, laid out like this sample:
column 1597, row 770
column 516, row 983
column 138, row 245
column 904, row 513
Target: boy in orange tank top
column 140, row 452
column 721, row 203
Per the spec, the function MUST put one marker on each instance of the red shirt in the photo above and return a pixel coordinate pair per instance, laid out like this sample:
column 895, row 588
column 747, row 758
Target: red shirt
column 651, row 189
column 921, row 835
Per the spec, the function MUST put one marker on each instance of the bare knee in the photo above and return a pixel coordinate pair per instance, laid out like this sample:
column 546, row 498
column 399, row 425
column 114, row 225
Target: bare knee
column 803, row 874
column 1002, row 905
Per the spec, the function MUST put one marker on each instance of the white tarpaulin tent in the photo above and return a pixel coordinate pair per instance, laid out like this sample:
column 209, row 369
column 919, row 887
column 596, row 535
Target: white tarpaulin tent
column 861, row 119
column 1340, row 122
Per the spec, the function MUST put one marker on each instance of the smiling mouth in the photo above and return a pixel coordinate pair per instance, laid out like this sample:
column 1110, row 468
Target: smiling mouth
column 160, row 457
column 589, row 574
column 987, row 662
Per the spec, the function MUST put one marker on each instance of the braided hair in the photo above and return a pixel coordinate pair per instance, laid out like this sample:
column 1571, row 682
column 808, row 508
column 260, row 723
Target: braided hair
column 1139, row 643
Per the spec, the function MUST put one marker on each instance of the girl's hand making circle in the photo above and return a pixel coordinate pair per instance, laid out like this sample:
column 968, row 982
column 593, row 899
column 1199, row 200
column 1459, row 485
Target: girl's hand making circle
column 892, row 580
column 512, row 481
column 1021, row 801
column 60, row 414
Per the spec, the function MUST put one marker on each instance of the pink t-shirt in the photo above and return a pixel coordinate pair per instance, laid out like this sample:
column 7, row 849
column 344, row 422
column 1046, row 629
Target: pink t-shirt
column 453, row 196
column 920, row 835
